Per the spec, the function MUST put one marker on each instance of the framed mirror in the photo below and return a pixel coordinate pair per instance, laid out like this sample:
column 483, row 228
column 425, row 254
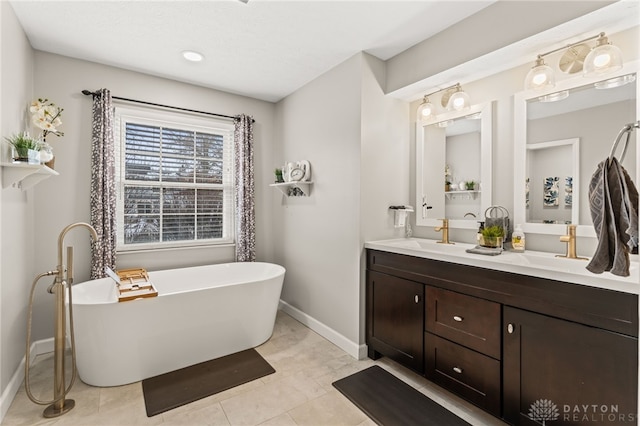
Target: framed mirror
column 453, row 167
column 560, row 138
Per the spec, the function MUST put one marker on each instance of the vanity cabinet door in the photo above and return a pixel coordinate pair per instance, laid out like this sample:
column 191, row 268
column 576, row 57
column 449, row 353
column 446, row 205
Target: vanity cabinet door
column 395, row 319
column 566, row 372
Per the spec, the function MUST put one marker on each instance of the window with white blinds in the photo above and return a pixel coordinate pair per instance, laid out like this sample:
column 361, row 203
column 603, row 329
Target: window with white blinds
column 174, row 177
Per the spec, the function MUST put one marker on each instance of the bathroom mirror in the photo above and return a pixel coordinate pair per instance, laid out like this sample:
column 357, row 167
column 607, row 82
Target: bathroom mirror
column 561, row 136
column 454, row 147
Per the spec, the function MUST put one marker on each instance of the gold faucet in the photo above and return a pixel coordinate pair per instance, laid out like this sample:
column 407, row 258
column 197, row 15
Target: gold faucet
column 445, row 232
column 570, row 239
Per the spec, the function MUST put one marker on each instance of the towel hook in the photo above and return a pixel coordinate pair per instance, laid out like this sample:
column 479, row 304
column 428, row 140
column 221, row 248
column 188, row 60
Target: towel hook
column 627, row 129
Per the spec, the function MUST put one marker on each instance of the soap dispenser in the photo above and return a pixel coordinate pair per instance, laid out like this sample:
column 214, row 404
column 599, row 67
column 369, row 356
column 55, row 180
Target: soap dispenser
column 517, row 239
column 479, row 238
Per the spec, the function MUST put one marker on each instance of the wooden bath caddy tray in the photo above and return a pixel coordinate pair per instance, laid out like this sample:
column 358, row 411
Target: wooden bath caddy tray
column 134, row 284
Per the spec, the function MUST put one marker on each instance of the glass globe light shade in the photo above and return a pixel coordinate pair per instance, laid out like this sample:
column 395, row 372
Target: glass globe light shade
column 602, row 59
column 540, row 77
column 425, row 110
column 458, row 101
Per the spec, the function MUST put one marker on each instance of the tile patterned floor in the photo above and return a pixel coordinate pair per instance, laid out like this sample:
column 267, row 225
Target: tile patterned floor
column 299, row 393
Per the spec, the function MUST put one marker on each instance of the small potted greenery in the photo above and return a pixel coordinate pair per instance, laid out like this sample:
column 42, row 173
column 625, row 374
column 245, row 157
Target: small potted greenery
column 492, row 236
column 470, row 185
column 279, row 178
column 22, row 145
column 447, row 185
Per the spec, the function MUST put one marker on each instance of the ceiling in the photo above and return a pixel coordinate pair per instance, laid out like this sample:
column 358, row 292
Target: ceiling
column 263, row 49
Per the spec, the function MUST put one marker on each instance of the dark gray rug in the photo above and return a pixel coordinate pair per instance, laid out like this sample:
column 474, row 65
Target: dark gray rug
column 171, row 390
column 389, row 401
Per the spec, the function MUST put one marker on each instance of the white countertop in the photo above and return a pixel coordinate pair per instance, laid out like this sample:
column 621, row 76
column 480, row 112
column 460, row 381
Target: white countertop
column 533, row 263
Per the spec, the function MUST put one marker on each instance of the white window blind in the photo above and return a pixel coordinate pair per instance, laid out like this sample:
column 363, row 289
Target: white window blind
column 174, row 177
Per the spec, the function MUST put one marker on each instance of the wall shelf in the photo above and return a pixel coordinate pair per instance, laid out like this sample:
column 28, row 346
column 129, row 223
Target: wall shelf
column 453, row 194
column 24, row 175
column 294, row 189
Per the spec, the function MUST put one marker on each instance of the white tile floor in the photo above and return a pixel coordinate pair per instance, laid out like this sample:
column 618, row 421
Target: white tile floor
column 299, row 393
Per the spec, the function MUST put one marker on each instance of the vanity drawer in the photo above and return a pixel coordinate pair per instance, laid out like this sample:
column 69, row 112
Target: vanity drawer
column 467, row 373
column 467, row 320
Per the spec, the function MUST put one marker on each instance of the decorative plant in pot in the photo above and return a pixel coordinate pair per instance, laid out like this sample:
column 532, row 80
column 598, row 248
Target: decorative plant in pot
column 279, row 178
column 22, row 143
column 492, row 236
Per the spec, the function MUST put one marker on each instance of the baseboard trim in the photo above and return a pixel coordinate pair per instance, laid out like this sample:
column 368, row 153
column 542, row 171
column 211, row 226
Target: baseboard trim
column 9, row 393
column 353, row 349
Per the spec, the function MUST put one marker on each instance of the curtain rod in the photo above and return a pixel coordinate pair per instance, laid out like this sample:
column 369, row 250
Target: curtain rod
column 88, row 92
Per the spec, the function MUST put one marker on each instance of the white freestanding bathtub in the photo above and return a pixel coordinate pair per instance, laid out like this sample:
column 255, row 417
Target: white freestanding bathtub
column 200, row 313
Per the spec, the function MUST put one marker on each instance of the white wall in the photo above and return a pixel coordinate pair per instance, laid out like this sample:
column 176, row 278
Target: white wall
column 473, row 37
column 16, row 206
column 357, row 143
column 385, row 159
column 317, row 237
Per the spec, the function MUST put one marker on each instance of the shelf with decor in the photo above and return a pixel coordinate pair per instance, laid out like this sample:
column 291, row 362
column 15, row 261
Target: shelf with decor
column 468, row 193
column 24, row 175
column 293, row 189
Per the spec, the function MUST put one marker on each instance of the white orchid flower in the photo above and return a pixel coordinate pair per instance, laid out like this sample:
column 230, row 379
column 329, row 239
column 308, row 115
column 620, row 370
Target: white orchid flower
column 36, row 106
column 46, row 116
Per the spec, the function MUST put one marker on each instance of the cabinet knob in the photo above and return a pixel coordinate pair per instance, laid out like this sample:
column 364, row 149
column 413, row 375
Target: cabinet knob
column 458, row 318
column 510, row 328
column 457, row 370
column 417, row 298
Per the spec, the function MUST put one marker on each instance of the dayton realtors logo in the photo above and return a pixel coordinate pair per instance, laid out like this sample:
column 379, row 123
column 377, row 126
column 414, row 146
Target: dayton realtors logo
column 544, row 410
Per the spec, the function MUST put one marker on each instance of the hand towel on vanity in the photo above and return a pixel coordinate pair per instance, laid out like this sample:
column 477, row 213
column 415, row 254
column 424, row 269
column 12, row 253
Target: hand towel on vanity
column 613, row 201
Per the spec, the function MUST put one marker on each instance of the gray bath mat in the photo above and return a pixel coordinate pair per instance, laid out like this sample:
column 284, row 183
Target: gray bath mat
column 389, row 401
column 171, row 390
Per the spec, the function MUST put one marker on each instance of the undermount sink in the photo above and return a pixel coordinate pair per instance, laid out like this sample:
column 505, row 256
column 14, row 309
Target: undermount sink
column 430, row 245
column 550, row 261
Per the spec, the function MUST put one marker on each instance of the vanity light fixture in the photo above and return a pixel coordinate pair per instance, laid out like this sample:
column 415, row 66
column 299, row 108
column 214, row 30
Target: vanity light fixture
column 458, row 99
column 455, row 99
column 603, row 58
column 426, row 109
column 540, row 77
column 192, row 56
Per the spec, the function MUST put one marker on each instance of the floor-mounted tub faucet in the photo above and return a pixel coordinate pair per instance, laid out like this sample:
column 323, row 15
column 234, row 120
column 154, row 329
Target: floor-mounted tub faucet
column 64, row 278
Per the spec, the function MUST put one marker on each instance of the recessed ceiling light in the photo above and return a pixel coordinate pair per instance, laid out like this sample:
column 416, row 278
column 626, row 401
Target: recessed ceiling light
column 192, row 56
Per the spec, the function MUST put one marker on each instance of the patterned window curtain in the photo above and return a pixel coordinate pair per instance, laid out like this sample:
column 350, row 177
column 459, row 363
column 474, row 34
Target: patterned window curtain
column 103, row 190
column 244, row 186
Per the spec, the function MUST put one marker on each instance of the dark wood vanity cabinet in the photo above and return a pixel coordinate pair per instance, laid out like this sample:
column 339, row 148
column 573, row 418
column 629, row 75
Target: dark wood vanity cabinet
column 589, row 374
column 395, row 319
column 517, row 346
column 462, row 346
